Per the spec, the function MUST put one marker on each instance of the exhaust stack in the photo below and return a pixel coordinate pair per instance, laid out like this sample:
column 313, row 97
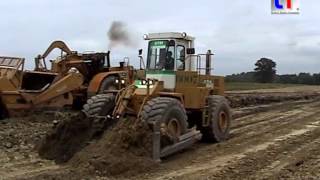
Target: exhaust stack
column 208, row 62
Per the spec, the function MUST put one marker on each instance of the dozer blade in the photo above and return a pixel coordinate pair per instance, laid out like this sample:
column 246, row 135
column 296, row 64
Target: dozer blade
column 185, row 141
column 188, row 139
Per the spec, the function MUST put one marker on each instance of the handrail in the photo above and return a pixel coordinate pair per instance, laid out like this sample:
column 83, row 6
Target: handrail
column 198, row 61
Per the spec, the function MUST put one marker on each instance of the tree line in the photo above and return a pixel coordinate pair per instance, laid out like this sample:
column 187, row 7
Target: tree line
column 265, row 72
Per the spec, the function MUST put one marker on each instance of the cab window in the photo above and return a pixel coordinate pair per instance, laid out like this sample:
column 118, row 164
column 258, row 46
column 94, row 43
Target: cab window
column 181, row 56
column 161, row 55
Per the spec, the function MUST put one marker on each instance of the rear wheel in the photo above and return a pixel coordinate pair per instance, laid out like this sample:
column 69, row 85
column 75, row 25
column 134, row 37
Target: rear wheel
column 171, row 115
column 99, row 105
column 108, row 84
column 220, row 119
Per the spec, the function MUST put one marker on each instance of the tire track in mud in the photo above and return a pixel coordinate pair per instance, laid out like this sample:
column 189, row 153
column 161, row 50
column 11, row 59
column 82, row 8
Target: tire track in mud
column 250, row 111
column 266, row 163
column 284, row 160
column 218, row 165
column 255, row 133
column 302, row 163
column 248, row 141
column 306, row 168
column 262, row 117
column 243, row 124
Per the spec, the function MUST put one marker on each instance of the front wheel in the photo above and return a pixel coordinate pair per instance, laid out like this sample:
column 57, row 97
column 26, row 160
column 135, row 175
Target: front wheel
column 99, row 105
column 171, row 115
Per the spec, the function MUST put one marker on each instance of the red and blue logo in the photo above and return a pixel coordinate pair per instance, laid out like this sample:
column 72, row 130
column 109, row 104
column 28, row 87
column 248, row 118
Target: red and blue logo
column 279, row 4
column 285, row 7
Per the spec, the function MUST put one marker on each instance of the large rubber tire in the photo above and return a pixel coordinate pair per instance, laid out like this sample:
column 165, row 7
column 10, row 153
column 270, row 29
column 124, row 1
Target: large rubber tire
column 99, row 105
column 220, row 119
column 171, row 115
column 108, row 84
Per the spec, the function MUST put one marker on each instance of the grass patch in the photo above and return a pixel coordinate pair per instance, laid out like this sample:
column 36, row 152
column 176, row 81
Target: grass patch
column 236, row 86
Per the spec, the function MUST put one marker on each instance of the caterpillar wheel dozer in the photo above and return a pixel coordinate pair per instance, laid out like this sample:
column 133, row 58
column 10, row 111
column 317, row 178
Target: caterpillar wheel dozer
column 179, row 98
column 71, row 79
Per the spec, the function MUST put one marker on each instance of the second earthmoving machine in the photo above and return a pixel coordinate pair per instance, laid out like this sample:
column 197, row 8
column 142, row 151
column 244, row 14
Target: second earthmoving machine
column 180, row 99
column 71, row 79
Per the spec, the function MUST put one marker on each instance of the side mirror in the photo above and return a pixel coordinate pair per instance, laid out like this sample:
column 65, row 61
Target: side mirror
column 191, row 51
column 121, row 64
column 142, row 65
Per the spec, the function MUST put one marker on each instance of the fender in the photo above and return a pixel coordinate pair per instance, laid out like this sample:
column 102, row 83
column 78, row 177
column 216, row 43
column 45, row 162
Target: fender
column 96, row 81
column 177, row 96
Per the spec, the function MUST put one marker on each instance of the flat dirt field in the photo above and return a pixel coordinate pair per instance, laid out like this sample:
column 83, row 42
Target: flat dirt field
column 277, row 139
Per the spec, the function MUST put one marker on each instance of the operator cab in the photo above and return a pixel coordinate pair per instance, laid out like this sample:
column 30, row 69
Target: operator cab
column 167, row 53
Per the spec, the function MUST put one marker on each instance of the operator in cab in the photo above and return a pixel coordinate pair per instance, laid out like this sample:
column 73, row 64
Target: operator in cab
column 169, row 64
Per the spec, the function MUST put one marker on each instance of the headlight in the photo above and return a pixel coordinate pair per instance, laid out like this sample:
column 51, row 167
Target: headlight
column 150, row 82
column 117, row 81
column 143, row 82
column 145, row 37
column 184, row 34
column 73, row 70
column 123, row 81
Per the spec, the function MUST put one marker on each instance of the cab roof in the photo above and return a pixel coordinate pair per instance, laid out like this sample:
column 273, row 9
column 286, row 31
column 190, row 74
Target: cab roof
column 168, row 35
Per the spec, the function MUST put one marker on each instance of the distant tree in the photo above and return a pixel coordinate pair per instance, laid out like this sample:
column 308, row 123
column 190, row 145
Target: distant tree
column 265, row 70
column 316, row 78
column 305, row 78
column 301, row 78
column 287, row 79
column 242, row 77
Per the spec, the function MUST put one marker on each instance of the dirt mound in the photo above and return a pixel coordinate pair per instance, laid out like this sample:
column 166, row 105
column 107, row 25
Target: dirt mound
column 70, row 136
column 125, row 150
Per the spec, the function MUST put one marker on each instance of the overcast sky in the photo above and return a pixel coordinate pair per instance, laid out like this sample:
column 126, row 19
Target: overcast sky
column 238, row 31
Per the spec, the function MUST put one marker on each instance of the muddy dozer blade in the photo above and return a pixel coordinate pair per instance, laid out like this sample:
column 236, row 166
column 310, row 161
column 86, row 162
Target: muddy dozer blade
column 185, row 141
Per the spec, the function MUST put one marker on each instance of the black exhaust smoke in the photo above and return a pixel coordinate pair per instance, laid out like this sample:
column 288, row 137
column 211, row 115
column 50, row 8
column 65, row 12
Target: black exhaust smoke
column 119, row 35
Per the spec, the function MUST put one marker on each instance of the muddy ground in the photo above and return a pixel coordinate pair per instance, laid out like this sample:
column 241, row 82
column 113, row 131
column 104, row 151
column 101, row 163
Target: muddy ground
column 272, row 140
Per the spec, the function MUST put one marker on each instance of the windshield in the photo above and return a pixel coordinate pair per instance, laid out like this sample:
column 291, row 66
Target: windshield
column 161, row 55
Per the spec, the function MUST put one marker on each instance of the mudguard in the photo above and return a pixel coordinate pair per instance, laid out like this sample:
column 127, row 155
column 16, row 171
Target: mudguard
column 96, row 81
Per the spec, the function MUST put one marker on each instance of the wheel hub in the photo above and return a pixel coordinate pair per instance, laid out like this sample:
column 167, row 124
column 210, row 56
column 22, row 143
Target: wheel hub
column 223, row 121
column 171, row 129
